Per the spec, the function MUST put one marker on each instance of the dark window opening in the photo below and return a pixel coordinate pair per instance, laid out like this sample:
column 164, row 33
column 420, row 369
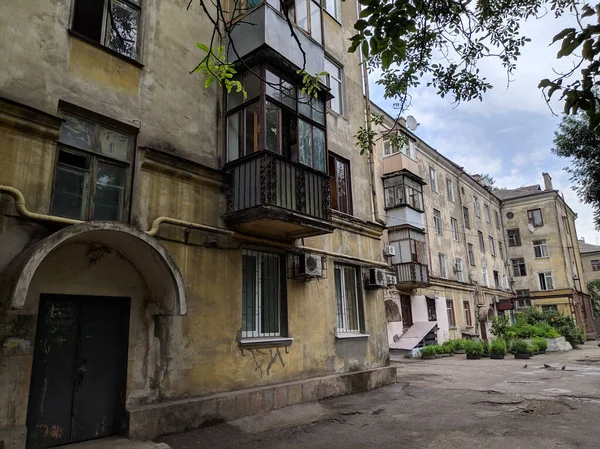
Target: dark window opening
column 341, row 188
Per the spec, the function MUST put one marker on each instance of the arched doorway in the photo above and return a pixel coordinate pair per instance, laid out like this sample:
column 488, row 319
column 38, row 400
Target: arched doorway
column 94, row 289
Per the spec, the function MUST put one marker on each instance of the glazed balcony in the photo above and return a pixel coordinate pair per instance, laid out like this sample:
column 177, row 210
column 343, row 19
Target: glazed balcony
column 397, row 162
column 412, row 275
column 274, row 197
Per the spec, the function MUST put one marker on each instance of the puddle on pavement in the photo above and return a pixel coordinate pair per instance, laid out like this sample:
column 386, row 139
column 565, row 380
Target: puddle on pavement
column 557, row 390
column 533, row 406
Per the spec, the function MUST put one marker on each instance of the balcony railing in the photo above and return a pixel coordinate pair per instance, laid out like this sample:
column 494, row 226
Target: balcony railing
column 413, row 274
column 289, row 199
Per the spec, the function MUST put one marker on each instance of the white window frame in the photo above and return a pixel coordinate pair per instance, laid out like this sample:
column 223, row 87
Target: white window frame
column 486, row 277
column 337, row 8
column 476, row 208
column 443, row 267
column 471, row 254
column 460, row 272
column 437, row 221
column 433, row 179
column 540, row 247
column 492, row 246
column 547, row 275
column 454, row 228
column 338, row 267
column 450, row 189
column 486, row 211
column 339, row 79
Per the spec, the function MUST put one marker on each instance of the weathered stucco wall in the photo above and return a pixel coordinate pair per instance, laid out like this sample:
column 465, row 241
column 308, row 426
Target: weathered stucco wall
column 586, row 262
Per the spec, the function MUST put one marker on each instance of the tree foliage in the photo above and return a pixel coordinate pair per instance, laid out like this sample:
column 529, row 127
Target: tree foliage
column 575, row 140
column 594, row 291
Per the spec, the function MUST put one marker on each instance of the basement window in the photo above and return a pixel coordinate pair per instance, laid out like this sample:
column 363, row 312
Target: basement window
column 112, row 23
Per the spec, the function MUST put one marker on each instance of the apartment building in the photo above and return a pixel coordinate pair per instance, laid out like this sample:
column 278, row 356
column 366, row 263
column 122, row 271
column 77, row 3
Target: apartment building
column 590, row 260
column 543, row 252
column 160, row 240
column 445, row 234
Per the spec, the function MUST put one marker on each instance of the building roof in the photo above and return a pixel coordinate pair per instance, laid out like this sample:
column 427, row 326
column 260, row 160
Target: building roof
column 587, row 247
column 507, row 194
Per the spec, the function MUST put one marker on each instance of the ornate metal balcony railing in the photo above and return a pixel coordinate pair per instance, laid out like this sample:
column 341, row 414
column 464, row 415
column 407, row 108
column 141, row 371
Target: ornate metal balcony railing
column 413, row 274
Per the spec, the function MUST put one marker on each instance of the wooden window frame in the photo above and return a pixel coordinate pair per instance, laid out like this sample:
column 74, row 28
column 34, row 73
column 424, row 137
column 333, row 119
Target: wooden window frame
column 514, row 239
column 450, row 313
column 437, row 222
column 467, row 314
column 466, row 218
column 531, row 217
column 518, row 267
column 332, row 170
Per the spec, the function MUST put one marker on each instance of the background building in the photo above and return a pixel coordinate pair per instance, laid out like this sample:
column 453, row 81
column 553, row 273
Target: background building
column 590, row 260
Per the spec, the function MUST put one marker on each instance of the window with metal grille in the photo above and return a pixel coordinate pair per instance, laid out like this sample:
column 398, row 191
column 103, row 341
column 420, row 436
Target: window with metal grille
column 347, row 299
column 540, row 248
column 112, row 23
column 263, row 295
column 514, row 237
column 518, row 267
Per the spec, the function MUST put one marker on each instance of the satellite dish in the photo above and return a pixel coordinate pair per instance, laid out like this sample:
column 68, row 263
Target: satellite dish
column 530, row 227
column 411, row 123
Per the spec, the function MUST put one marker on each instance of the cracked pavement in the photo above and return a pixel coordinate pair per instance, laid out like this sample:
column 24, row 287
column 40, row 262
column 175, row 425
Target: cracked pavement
column 442, row 403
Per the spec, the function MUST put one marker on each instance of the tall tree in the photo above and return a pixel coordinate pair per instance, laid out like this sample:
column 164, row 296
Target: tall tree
column 574, row 139
column 594, row 290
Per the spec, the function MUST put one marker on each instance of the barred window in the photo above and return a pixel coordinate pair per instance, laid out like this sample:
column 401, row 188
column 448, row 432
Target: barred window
column 347, row 299
column 263, row 304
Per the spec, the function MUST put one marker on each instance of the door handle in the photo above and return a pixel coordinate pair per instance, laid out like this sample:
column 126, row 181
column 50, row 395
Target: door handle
column 79, row 372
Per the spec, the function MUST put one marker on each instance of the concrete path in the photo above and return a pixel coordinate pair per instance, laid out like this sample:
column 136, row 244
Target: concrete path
column 116, row 443
column 444, row 403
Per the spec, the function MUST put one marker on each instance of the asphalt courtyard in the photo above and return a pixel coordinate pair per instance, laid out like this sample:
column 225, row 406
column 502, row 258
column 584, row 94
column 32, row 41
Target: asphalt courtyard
column 442, row 403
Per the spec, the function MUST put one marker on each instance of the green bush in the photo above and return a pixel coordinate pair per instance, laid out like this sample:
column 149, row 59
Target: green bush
column 498, row 347
column 540, row 343
column 552, row 333
column 486, row 347
column 429, row 350
column 459, row 345
column 500, row 326
column 448, row 347
column 521, row 347
column 473, row 348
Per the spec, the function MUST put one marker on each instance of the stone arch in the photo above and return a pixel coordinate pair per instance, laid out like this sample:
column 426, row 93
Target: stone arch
column 146, row 254
column 392, row 312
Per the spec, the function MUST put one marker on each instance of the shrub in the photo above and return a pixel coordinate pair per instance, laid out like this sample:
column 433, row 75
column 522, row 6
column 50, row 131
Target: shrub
column 448, row 347
column 485, row 346
column 521, row 347
column 500, row 326
column 428, row 350
column 474, row 348
column 540, row 343
column 552, row 333
column 459, row 344
column 498, row 347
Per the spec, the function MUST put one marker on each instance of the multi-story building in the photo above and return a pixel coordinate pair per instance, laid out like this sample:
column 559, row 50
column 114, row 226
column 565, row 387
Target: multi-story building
column 543, row 252
column 590, row 260
column 445, row 231
column 170, row 256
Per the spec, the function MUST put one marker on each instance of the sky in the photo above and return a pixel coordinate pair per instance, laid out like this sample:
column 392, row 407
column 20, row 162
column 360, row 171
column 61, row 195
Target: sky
column 509, row 134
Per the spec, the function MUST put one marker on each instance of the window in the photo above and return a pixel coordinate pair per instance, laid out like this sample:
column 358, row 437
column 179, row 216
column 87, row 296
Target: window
column 347, row 299
column 341, row 188
column 458, row 269
column 403, row 191
column 476, row 207
column 505, row 282
column 334, row 82
column 263, row 307
column 595, row 265
column 523, row 303
column 431, row 313
column 497, row 219
column 443, row 270
column 522, row 293
column 295, row 122
column 481, row 242
column 486, row 277
column 114, row 24
column 332, row 7
column 486, row 211
column 467, row 313
column 514, row 237
column 550, row 308
column 454, row 227
column 471, row 255
column 566, row 225
column 535, row 217
column 467, row 222
column 450, row 311
column 496, row 279
column 92, row 171
column 307, row 15
column 540, row 248
column 546, row 282
column 437, row 221
column 399, row 144
column 406, row 309
column 412, row 247
column 492, row 246
column 433, row 179
column 501, row 250
column 450, row 189
column 518, row 267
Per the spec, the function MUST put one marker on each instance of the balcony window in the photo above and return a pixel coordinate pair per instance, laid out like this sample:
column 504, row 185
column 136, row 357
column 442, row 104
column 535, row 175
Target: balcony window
column 280, row 119
column 412, row 247
column 334, row 82
column 307, row 15
column 403, row 191
column 341, row 191
column 402, row 144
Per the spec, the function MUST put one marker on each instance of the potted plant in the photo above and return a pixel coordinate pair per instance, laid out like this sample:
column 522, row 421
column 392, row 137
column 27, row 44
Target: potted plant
column 438, row 351
column 459, row 346
column 486, row 348
column 498, row 349
column 541, row 344
column 521, row 349
column 428, row 352
column 474, row 350
column 447, row 348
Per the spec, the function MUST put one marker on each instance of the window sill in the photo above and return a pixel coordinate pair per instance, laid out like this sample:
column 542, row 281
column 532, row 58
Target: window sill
column 331, row 15
column 105, row 48
column 336, row 114
column 267, row 342
column 452, row 328
column 468, row 327
column 350, row 335
column 548, row 257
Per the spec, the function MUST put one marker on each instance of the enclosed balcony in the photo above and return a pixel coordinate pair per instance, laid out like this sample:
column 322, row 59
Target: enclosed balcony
column 412, row 275
column 399, row 155
column 275, row 197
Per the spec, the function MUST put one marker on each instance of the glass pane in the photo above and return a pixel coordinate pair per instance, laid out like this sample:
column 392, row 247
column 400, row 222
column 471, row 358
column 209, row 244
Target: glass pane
column 233, row 137
column 315, row 22
column 253, row 3
column 110, row 190
column 338, row 298
column 248, row 292
column 305, row 133
column 123, row 22
column 351, row 299
column 301, row 14
column 77, row 132
column 252, row 128
column 235, row 98
column 331, row 7
column 252, row 83
column 70, row 193
column 304, row 101
column 273, row 127
column 336, row 90
column 290, row 135
column 111, row 175
column 318, row 110
column 113, row 143
column 269, row 298
column 288, row 94
column 319, row 148
column 389, row 197
column 342, row 179
column 273, row 86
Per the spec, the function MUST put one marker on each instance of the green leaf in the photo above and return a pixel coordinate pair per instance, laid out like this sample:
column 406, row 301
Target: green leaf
column 563, row 33
column 365, row 49
column 203, row 47
column 386, row 59
column 209, row 80
column 360, row 25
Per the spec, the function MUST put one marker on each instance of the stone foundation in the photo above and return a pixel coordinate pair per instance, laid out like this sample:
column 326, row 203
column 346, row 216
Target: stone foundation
column 151, row 421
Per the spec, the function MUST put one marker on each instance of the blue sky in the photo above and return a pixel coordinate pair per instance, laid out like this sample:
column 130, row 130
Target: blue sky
column 509, row 134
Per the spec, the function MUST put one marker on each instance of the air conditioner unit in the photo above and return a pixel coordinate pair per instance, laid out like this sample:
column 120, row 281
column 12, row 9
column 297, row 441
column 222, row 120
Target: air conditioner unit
column 389, row 250
column 375, row 278
column 391, row 280
column 308, row 265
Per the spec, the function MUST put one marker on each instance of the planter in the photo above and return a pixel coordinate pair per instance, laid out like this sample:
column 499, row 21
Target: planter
column 497, row 356
column 459, row 351
column 541, row 352
column 438, row 356
column 473, row 357
column 522, row 356
column 445, row 355
column 451, row 354
column 427, row 357
column 485, row 355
